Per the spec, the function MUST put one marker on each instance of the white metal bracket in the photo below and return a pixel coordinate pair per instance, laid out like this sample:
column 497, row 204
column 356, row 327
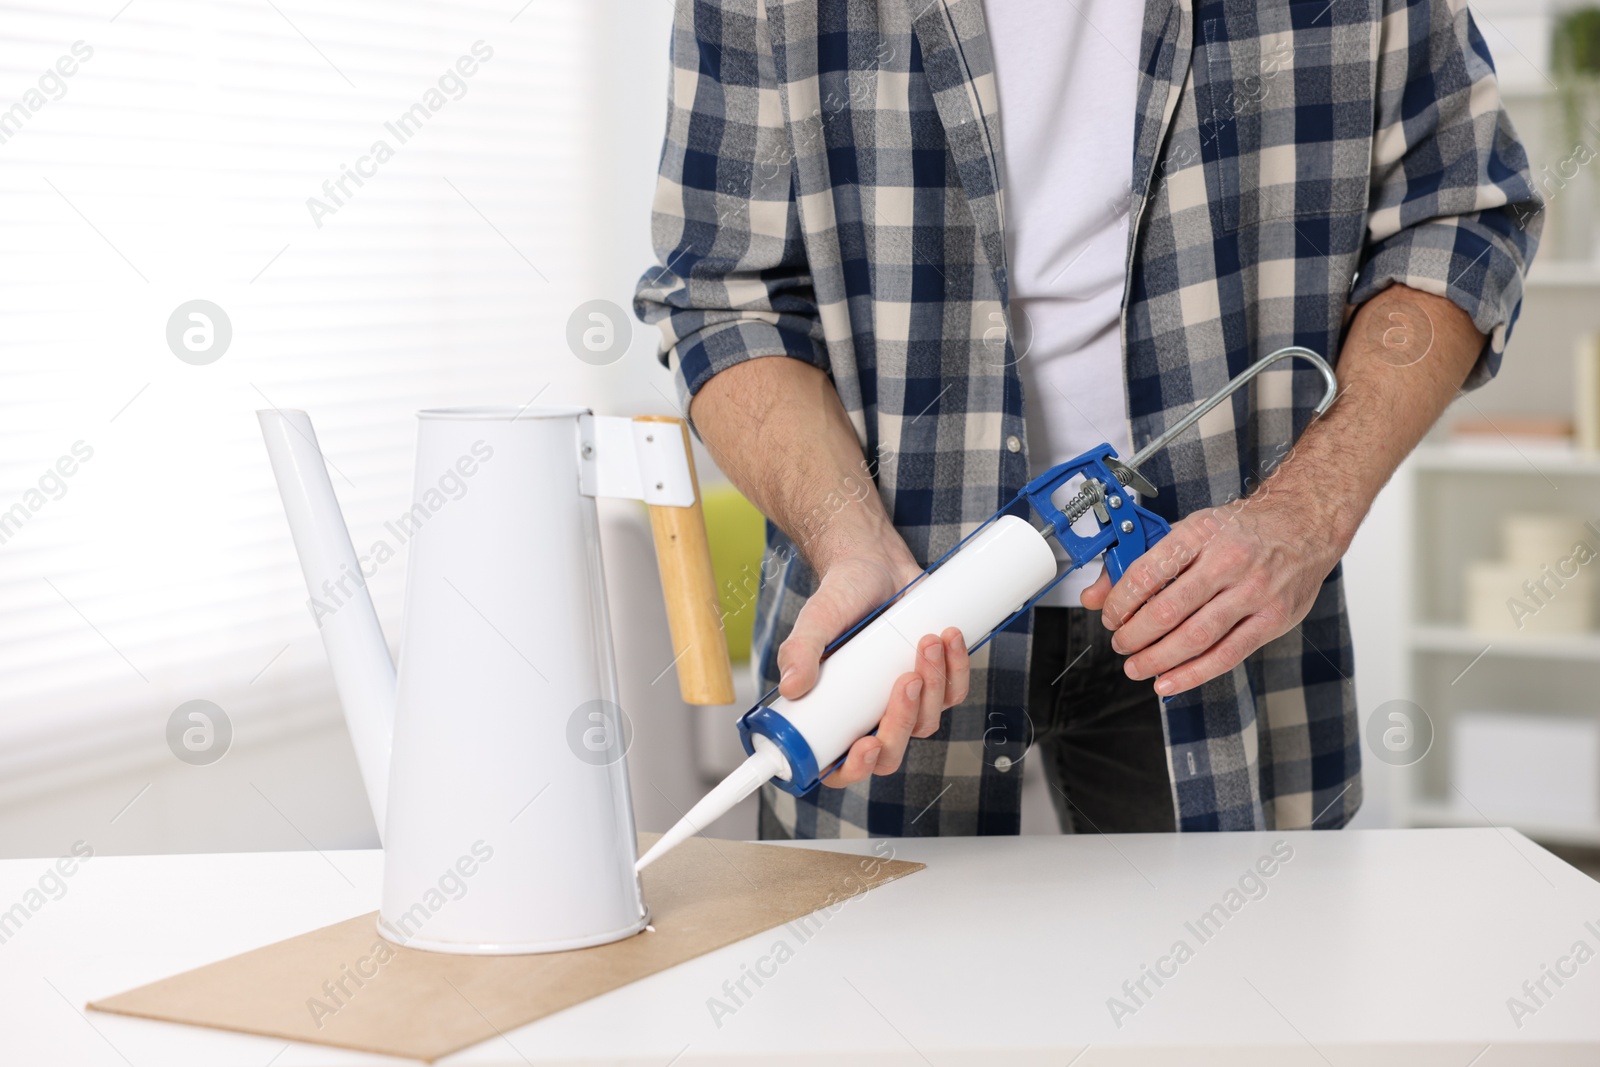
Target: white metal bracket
column 620, row 457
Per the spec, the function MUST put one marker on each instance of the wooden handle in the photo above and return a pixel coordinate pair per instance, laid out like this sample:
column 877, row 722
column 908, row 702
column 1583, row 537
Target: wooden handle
column 694, row 614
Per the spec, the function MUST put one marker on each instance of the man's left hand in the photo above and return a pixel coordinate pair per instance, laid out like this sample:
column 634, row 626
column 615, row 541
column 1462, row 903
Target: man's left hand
column 1229, row 579
column 1223, row 583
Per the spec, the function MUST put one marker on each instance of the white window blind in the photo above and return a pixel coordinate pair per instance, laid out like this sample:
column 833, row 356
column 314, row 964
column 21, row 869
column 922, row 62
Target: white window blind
column 175, row 164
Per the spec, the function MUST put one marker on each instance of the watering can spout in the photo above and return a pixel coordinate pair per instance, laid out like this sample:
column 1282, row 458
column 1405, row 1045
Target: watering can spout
column 363, row 670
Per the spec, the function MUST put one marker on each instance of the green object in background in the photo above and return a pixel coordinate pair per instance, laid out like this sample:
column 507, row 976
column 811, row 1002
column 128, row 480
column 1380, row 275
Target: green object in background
column 1575, row 62
column 1576, row 47
column 738, row 536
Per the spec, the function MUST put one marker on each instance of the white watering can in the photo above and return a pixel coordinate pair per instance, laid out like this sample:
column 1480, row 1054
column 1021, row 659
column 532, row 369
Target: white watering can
column 495, row 764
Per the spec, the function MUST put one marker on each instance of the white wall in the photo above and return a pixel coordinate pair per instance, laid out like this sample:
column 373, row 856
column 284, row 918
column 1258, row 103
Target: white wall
column 289, row 778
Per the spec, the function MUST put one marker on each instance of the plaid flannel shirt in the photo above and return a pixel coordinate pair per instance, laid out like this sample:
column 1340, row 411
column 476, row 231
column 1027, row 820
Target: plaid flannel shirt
column 830, row 191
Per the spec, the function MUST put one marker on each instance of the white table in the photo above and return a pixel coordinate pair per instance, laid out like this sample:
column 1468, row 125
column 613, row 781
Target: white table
column 1368, row 947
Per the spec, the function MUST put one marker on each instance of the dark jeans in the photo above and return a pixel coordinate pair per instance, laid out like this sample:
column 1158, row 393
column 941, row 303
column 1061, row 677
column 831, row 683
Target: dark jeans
column 1096, row 731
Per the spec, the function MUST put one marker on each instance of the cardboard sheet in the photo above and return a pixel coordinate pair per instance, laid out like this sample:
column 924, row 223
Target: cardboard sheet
column 424, row 1005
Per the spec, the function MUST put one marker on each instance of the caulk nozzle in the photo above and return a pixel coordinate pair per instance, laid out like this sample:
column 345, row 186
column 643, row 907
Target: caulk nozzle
column 767, row 763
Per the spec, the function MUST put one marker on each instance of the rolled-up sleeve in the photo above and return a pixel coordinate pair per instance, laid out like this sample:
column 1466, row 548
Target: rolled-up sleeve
column 731, row 281
column 1453, row 210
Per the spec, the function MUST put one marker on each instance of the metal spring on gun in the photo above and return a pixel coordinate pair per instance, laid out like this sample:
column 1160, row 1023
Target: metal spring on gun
column 1092, row 493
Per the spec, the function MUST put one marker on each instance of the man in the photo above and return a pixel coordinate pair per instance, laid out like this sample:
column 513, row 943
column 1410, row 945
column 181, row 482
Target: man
column 889, row 230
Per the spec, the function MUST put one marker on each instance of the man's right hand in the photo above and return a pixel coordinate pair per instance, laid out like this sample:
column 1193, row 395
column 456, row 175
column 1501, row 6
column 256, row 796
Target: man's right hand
column 850, row 588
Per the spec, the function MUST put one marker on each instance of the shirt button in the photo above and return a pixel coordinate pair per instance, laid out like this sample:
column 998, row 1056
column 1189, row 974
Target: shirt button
column 1002, row 763
column 1012, row 444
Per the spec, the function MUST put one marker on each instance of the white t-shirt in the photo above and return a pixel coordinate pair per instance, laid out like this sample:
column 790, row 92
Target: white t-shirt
column 1067, row 76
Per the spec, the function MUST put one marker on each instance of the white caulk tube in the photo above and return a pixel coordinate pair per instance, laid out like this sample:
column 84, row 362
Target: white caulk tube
column 795, row 741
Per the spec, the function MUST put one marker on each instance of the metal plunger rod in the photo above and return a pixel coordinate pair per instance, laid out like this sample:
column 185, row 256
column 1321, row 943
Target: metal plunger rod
column 1232, row 387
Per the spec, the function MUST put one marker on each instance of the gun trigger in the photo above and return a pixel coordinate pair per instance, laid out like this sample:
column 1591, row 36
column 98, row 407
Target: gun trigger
column 1131, row 478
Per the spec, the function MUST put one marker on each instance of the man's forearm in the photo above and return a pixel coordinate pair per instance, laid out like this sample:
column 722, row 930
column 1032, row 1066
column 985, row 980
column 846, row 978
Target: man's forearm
column 776, row 427
column 1404, row 359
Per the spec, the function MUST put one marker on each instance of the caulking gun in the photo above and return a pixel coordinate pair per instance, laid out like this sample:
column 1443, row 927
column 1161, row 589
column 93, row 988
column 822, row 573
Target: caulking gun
column 982, row 585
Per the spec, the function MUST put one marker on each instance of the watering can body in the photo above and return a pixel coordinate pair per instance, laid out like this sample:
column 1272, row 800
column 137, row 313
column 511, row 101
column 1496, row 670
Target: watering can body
column 495, row 758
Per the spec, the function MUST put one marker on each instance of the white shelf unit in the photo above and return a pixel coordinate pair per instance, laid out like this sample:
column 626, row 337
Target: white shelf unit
column 1509, row 455
column 1459, row 494
column 1563, row 274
